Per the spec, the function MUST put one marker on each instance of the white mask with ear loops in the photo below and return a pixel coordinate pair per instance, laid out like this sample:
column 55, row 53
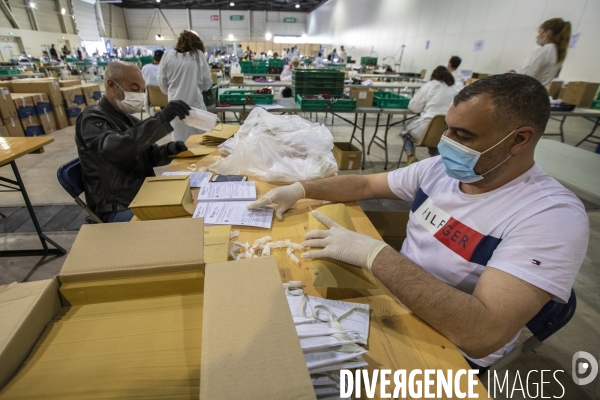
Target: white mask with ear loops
column 132, row 102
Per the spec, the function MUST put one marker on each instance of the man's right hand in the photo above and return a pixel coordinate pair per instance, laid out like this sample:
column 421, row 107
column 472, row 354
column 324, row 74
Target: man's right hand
column 285, row 197
column 176, row 108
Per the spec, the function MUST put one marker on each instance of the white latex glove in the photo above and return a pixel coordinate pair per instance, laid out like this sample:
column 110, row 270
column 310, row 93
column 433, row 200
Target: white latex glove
column 284, row 197
column 342, row 244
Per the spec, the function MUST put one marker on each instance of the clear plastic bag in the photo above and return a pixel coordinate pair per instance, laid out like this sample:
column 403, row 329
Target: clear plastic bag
column 278, row 149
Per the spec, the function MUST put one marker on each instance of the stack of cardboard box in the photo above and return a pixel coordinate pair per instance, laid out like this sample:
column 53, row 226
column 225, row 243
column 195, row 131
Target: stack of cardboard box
column 91, row 92
column 27, row 114
column 74, row 102
column 51, row 88
column 8, row 112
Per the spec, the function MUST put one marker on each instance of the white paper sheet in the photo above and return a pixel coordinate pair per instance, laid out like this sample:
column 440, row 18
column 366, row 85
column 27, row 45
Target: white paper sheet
column 234, row 213
column 228, row 191
column 197, row 179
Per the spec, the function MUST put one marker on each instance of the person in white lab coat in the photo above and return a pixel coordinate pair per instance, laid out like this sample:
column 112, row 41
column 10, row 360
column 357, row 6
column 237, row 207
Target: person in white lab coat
column 343, row 54
column 183, row 75
column 286, row 74
column 433, row 98
column 319, row 60
column 545, row 62
column 239, row 52
column 453, row 64
column 150, row 71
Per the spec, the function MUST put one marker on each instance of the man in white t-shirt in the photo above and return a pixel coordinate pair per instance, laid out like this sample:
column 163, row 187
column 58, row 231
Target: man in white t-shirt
column 453, row 64
column 491, row 238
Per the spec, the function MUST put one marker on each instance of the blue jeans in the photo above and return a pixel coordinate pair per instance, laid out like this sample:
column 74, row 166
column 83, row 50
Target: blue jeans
column 121, row 216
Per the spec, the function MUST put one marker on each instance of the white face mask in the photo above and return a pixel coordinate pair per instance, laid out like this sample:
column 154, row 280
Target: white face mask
column 132, row 102
column 200, row 119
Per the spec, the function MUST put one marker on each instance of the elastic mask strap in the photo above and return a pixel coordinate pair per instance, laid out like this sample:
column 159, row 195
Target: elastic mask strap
column 335, row 321
column 498, row 144
column 506, row 159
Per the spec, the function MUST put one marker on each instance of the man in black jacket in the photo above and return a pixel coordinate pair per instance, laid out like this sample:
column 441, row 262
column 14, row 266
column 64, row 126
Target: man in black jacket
column 116, row 150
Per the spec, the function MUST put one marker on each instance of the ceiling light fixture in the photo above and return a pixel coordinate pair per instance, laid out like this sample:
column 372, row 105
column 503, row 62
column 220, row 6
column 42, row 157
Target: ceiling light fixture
column 232, row 4
column 230, row 36
column 31, row 4
column 268, row 35
column 297, row 5
column 159, row 37
column 63, row 11
column 158, row 1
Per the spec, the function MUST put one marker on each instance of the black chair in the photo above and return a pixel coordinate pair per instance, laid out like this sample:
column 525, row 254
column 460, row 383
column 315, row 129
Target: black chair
column 546, row 323
column 70, row 178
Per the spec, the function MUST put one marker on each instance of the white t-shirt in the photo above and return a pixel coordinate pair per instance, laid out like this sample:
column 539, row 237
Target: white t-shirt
column 541, row 64
column 532, row 228
column 459, row 78
column 433, row 98
column 150, row 72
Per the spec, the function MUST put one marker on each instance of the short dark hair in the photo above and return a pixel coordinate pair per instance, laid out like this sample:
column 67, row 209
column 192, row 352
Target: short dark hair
column 158, row 54
column 442, row 74
column 455, row 61
column 519, row 100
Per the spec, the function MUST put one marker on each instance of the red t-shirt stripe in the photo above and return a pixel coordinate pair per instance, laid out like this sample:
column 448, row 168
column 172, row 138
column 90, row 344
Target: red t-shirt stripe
column 459, row 238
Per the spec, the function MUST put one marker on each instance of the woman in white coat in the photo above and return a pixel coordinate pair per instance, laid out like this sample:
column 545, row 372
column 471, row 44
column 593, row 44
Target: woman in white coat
column 545, row 62
column 183, row 75
column 433, row 98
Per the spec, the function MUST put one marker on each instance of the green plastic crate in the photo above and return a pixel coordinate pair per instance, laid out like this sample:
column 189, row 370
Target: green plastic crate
column 316, row 73
column 370, row 61
column 238, row 97
column 275, row 62
column 390, row 100
column 343, row 103
column 595, row 105
column 146, row 60
column 210, row 96
column 9, row 71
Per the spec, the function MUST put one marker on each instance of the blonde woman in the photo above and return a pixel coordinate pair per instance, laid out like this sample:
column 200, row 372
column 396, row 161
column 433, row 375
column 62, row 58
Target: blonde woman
column 545, row 62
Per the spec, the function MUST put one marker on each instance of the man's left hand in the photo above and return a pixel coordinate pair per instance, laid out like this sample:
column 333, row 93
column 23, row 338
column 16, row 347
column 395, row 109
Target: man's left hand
column 342, row 244
column 175, row 148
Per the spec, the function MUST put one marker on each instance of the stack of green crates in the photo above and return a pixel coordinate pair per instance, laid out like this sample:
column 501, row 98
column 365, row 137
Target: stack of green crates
column 317, row 81
column 389, row 100
column 210, row 96
column 369, row 61
column 146, row 60
column 340, row 103
column 238, row 97
column 254, row 67
column 9, row 71
column 275, row 62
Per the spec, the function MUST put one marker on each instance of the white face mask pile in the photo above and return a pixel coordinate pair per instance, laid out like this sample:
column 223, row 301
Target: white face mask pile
column 329, row 332
column 200, row 119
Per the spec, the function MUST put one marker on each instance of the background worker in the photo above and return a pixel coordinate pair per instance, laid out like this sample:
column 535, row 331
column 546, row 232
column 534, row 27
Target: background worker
column 183, row 75
column 286, row 74
column 490, row 239
column 433, row 98
column 150, row 71
column 453, row 64
column 116, row 150
column 545, row 62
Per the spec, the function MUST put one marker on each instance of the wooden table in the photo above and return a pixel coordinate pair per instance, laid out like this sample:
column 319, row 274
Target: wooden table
column 397, row 338
column 575, row 168
column 12, row 148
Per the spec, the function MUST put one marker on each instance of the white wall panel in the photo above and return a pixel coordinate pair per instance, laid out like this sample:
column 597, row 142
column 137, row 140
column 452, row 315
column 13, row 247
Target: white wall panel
column 20, row 13
column 85, row 18
column 508, row 28
column 47, row 16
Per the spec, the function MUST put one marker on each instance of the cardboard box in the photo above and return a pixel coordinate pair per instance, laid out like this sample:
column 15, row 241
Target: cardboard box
column 470, row 80
column 32, row 126
column 263, row 360
column 72, row 97
column 237, row 78
column 364, row 97
column 163, row 197
column 91, row 93
column 24, row 105
column 61, row 116
column 580, row 93
column 7, row 85
column 137, row 249
column 479, row 75
column 14, row 128
column 554, row 89
column 390, row 225
column 347, row 155
column 213, row 76
column 42, row 103
column 48, row 122
column 49, row 86
column 7, row 105
column 72, row 114
column 142, row 334
column 3, row 131
column 69, row 83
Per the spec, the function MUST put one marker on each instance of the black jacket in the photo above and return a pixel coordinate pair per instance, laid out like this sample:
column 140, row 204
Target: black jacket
column 117, row 152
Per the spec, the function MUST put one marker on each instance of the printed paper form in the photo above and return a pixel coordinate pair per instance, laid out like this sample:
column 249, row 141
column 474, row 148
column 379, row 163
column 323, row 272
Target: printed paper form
column 234, row 213
column 228, row 191
column 197, row 179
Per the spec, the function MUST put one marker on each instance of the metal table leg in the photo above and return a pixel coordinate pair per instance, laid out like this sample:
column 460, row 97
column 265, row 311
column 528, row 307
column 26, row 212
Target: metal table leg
column 44, row 240
column 591, row 134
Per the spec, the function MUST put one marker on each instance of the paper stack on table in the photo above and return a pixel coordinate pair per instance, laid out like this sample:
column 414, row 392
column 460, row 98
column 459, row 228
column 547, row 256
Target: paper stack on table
column 197, row 179
column 225, row 203
column 330, row 332
column 216, row 137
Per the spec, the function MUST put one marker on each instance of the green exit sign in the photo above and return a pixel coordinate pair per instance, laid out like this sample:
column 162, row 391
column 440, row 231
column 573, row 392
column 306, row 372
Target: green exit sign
column 289, row 20
column 236, row 17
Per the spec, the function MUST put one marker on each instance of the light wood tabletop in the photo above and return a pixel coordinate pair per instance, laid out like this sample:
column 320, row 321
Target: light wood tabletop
column 397, row 339
column 12, row 148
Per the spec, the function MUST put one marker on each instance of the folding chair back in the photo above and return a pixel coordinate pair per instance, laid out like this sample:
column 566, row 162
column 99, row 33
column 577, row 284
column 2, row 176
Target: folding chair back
column 423, row 72
column 156, row 98
column 70, row 178
column 433, row 133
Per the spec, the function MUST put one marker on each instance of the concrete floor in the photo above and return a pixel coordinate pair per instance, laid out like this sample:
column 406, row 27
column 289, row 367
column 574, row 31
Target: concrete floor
column 581, row 334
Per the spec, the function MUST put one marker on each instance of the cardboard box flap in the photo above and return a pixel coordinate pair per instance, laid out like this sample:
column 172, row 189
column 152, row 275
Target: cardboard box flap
column 216, row 243
column 161, row 191
column 332, row 273
column 254, row 353
column 25, row 310
column 196, row 151
column 106, row 251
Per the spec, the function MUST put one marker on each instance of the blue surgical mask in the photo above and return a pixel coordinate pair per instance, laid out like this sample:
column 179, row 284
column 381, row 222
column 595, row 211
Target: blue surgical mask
column 459, row 160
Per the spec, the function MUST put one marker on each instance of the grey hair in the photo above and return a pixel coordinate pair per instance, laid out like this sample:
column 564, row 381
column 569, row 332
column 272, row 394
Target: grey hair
column 117, row 71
